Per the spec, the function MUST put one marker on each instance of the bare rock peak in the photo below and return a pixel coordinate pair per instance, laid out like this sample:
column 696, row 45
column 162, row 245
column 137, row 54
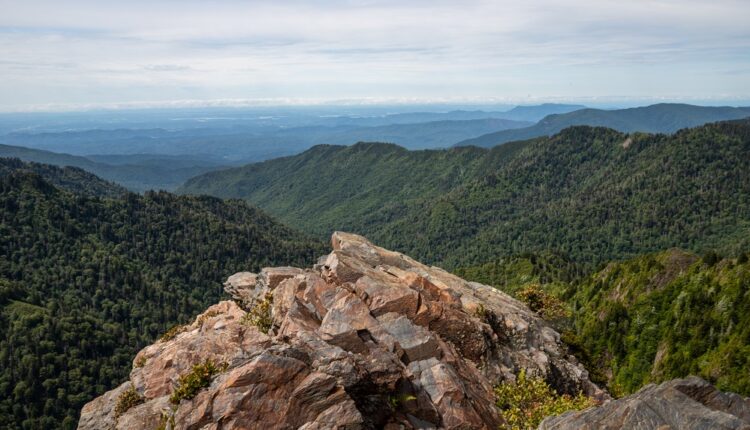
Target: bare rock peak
column 367, row 338
column 370, row 338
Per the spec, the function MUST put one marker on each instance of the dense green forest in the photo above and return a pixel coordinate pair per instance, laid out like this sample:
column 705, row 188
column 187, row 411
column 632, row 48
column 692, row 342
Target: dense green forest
column 667, row 315
column 644, row 320
column 511, row 273
column 551, row 211
column 591, row 194
column 86, row 281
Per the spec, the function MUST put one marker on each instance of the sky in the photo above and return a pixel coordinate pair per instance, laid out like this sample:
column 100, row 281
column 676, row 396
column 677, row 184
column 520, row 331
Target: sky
column 140, row 53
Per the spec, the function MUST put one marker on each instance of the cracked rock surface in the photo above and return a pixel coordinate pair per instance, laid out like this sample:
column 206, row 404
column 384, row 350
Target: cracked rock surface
column 690, row 403
column 367, row 338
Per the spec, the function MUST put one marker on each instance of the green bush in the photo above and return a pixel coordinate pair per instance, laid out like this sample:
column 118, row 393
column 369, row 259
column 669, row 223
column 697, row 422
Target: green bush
column 166, row 421
column 260, row 314
column 710, row 258
column 173, row 332
column 197, row 379
column 127, row 400
column 398, row 401
column 140, row 362
column 546, row 305
column 526, row 403
column 210, row 314
column 578, row 349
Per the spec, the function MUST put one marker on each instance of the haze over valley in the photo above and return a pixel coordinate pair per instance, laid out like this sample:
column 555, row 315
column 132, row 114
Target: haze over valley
column 163, row 149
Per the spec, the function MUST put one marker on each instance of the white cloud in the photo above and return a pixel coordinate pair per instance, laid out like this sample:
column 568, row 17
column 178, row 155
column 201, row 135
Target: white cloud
column 85, row 51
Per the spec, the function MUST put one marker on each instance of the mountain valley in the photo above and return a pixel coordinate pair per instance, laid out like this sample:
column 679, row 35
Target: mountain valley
column 86, row 280
column 580, row 230
column 609, row 196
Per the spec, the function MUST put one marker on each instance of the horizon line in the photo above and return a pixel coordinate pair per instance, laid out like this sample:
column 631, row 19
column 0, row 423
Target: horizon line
column 284, row 102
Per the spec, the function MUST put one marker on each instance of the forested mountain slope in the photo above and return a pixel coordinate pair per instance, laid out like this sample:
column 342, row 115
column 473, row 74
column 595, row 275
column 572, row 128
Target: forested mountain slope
column 667, row 315
column 347, row 186
column 511, row 273
column 138, row 174
column 72, row 179
column 659, row 118
column 593, row 194
column 86, row 282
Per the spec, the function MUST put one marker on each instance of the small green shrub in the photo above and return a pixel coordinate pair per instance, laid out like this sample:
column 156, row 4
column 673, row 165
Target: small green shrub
column 197, row 379
column 742, row 259
column 127, row 400
column 210, row 314
column 710, row 258
column 167, row 421
column 579, row 350
column 526, row 403
column 260, row 314
column 140, row 362
column 397, row 402
column 546, row 305
column 173, row 332
column 481, row 312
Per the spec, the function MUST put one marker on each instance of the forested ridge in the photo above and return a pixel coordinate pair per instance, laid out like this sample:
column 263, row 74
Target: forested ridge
column 511, row 273
column 648, row 319
column 667, row 315
column 137, row 173
column 73, row 179
column 555, row 212
column 85, row 282
column 591, row 194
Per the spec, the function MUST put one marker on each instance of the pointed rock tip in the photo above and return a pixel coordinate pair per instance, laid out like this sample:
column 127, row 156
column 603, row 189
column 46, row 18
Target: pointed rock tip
column 339, row 238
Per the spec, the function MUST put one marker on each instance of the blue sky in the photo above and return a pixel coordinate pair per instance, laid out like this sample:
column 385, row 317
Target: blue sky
column 85, row 53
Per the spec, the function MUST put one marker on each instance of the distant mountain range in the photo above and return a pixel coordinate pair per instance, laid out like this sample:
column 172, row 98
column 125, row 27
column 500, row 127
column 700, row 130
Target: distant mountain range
column 424, row 135
column 239, row 137
column 138, row 172
column 592, row 193
column 531, row 113
column 157, row 158
column 259, row 143
column 659, row 118
column 536, row 112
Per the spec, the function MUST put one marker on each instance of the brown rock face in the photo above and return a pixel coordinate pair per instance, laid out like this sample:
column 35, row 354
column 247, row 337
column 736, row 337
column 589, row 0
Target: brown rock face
column 367, row 338
column 690, row 403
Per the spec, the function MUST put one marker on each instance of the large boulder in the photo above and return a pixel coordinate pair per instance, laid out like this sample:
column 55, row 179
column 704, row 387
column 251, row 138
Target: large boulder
column 690, row 404
column 367, row 338
column 247, row 287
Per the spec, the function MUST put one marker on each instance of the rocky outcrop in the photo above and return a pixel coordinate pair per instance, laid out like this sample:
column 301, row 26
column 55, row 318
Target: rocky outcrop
column 690, row 403
column 367, row 338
